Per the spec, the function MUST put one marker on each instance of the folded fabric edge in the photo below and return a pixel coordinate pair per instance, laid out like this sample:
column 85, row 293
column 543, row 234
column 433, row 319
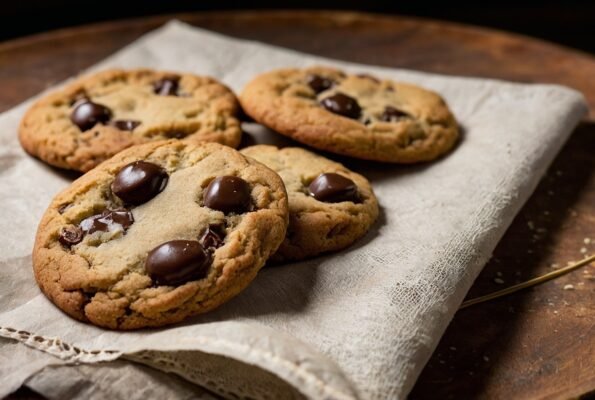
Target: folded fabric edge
column 296, row 363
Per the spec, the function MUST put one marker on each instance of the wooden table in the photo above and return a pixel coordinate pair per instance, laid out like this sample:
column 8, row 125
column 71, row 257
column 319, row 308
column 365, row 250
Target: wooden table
column 536, row 344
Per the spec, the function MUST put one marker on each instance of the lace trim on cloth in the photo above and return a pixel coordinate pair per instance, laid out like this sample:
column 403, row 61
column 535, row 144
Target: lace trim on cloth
column 58, row 348
column 283, row 378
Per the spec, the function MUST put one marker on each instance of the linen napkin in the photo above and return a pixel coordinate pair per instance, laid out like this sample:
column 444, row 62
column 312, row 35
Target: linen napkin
column 360, row 323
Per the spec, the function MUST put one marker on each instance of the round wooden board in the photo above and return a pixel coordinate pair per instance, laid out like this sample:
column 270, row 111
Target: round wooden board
column 535, row 344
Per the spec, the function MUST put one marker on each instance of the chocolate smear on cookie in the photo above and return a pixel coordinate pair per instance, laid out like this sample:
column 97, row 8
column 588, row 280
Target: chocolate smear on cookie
column 107, row 221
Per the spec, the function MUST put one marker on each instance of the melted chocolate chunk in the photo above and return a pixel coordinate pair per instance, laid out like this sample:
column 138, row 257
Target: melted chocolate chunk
column 319, row 83
column 213, row 237
column 94, row 224
column 126, row 124
column 106, row 220
column 70, row 235
column 120, row 216
column 139, row 181
column 342, row 104
column 334, row 188
column 229, row 194
column 167, row 86
column 392, row 114
column 177, row 261
column 87, row 114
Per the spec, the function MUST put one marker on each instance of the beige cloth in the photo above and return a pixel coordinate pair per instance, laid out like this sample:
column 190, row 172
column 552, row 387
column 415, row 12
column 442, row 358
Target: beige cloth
column 357, row 324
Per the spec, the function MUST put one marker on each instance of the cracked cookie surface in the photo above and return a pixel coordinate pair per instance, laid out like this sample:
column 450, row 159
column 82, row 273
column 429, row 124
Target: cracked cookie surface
column 159, row 233
column 355, row 115
column 326, row 213
column 125, row 108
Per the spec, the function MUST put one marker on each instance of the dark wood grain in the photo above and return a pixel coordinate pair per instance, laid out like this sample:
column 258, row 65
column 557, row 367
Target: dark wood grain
column 536, row 344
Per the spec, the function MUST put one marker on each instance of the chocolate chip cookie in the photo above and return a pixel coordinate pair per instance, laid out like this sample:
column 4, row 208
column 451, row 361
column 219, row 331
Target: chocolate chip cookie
column 159, row 232
column 99, row 115
column 330, row 207
column 355, row 115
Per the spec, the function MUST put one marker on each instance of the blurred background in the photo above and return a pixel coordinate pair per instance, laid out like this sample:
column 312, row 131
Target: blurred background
column 570, row 22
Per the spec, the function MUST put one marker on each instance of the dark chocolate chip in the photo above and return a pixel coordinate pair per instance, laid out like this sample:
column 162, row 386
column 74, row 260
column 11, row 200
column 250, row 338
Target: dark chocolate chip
column 334, row 188
column 391, row 114
column 108, row 218
column 139, row 181
column 70, row 235
column 64, row 207
column 370, row 77
column 167, row 86
column 342, row 104
column 176, row 134
column 87, row 114
column 177, row 261
column 213, row 237
column 319, row 83
column 228, row 194
column 126, row 124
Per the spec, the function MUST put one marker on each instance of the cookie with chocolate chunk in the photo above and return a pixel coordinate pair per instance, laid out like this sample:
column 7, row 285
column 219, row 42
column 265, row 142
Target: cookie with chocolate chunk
column 101, row 114
column 330, row 207
column 158, row 233
column 354, row 115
